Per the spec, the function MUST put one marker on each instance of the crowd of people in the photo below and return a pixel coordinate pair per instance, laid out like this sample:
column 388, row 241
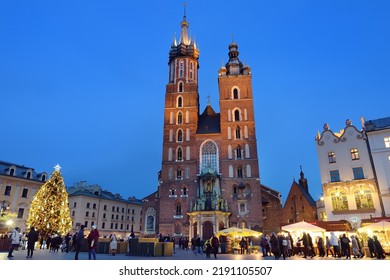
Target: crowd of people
column 280, row 245
column 283, row 245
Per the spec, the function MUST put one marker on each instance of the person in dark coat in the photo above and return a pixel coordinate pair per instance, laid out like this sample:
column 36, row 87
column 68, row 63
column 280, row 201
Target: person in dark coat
column 275, row 246
column 306, row 246
column 380, row 253
column 93, row 238
column 371, row 247
column 32, row 237
column 346, row 247
column 79, row 240
column 215, row 245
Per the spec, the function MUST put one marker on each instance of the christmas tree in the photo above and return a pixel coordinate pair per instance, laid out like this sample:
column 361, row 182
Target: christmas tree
column 49, row 212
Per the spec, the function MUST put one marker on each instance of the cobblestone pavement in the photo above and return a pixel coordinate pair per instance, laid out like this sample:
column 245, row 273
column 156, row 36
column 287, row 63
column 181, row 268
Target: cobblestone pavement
column 179, row 255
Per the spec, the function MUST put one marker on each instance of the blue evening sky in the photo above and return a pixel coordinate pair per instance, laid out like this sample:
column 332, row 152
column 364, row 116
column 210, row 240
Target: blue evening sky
column 82, row 83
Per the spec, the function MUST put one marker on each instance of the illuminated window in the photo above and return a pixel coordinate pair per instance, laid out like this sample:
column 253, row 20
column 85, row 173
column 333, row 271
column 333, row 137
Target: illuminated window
column 387, row 142
column 354, row 154
column 363, row 198
column 334, row 176
column 209, row 157
column 332, row 157
column 339, row 200
column 358, row 173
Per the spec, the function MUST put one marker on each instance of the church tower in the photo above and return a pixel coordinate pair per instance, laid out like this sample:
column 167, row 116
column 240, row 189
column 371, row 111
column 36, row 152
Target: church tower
column 239, row 164
column 181, row 112
column 209, row 179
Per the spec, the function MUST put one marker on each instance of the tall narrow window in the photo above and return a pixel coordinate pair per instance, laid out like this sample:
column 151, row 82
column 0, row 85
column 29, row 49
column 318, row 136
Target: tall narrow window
column 12, row 172
column 24, row 193
column 235, row 93
column 20, row 213
column 238, row 132
column 7, row 190
column 179, row 135
column 332, row 157
column 238, row 152
column 239, row 172
column 178, row 209
column 181, row 87
column 237, row 115
column 179, row 118
column 181, row 69
column 179, row 155
column 354, row 154
column 209, row 157
column 28, row 176
column 180, row 102
column 179, row 175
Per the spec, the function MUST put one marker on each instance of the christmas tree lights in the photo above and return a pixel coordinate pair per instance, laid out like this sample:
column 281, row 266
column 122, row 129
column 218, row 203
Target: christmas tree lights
column 49, row 212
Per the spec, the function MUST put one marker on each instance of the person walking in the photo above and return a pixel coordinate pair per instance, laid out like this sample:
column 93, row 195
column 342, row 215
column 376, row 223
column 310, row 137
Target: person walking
column 78, row 242
column 92, row 238
column 334, row 241
column 15, row 241
column 379, row 252
column 198, row 245
column 355, row 248
column 215, row 245
column 306, row 245
column 113, row 244
column 346, row 248
column 32, row 237
column 328, row 247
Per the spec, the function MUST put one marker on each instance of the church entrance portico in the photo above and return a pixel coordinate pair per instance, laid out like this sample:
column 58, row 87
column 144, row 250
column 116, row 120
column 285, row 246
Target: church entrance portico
column 206, row 223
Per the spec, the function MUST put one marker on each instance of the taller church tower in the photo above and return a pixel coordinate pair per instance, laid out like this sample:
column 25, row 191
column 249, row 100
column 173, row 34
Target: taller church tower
column 210, row 176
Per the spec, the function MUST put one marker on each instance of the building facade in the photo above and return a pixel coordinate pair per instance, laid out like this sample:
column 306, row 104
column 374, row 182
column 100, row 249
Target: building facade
column 18, row 185
column 349, row 187
column 209, row 179
column 91, row 205
column 272, row 210
column 299, row 205
column 378, row 137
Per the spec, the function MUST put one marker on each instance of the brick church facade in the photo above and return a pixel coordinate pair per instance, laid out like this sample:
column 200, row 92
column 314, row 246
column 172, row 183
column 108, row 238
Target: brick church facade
column 209, row 179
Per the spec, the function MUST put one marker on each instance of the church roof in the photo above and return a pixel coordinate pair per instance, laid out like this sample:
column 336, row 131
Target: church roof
column 209, row 121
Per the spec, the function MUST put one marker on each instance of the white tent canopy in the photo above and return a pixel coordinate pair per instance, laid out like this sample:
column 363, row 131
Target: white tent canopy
column 302, row 226
column 379, row 226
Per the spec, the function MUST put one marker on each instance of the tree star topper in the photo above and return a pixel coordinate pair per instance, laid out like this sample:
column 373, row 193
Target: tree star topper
column 57, row 167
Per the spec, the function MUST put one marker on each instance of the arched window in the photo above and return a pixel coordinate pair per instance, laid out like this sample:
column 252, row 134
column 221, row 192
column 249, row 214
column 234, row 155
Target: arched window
column 172, row 192
column 238, row 132
column 180, row 135
column 178, row 209
column 235, row 93
column 180, row 102
column 169, row 154
column 230, row 152
column 170, row 174
column 237, row 115
column 181, row 87
column 239, row 172
column 12, row 172
column 209, row 154
column 179, row 118
column 184, row 191
column 178, row 228
column 43, row 178
column 363, row 198
column 238, row 152
column 179, row 154
column 28, row 175
column 179, row 174
column 235, row 190
column 231, row 171
column 248, row 171
column 242, row 208
column 150, row 223
column 339, row 200
column 247, row 152
column 191, row 70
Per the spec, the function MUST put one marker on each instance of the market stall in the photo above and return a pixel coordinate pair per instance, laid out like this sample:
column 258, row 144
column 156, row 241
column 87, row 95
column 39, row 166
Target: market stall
column 381, row 230
column 234, row 235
